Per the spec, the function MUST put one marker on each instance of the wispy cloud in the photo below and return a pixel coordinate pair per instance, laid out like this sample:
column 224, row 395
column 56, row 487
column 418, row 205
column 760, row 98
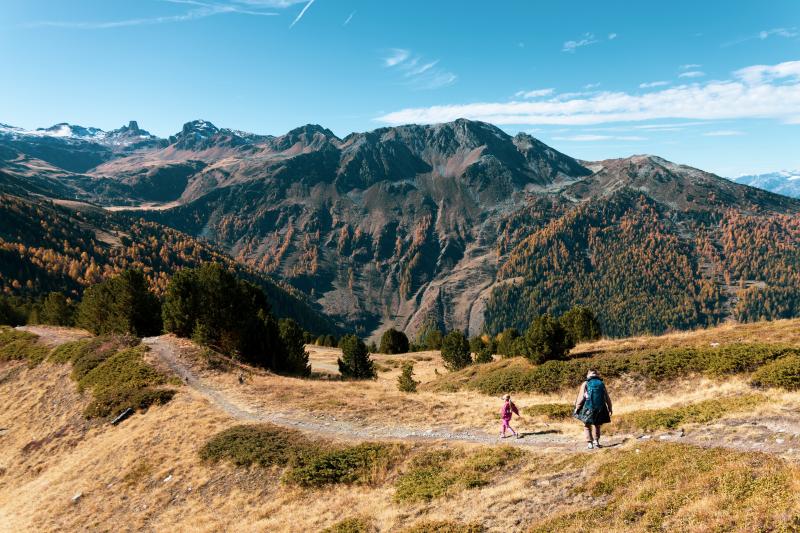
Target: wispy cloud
column 596, row 138
column 417, row 72
column 199, row 10
column 689, row 66
column 723, row 133
column 651, row 84
column 349, row 18
column 787, row 33
column 571, row 46
column 302, row 12
column 590, row 86
column 759, row 91
column 585, row 40
column 536, row 93
column 692, row 74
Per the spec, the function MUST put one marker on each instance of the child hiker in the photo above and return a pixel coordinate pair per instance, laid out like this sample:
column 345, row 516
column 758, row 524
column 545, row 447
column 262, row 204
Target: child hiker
column 506, row 412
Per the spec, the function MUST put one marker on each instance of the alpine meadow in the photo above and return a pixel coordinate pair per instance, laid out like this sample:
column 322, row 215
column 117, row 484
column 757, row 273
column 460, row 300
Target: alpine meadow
column 538, row 269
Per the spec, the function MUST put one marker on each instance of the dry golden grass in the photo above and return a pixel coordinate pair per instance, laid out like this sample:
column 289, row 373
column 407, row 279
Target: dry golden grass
column 146, row 474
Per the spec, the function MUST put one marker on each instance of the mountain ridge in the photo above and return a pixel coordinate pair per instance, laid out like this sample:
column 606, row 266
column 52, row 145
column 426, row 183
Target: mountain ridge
column 411, row 226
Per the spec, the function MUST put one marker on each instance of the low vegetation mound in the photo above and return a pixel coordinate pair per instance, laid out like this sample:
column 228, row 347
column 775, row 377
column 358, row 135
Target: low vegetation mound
column 114, row 370
column 675, row 487
column 550, row 411
column 443, row 526
column 20, row 345
column 436, row 473
column 307, row 463
column 696, row 413
column 656, row 364
column 783, row 373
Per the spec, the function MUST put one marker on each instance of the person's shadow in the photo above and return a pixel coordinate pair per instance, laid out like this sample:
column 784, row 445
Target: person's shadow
column 523, row 434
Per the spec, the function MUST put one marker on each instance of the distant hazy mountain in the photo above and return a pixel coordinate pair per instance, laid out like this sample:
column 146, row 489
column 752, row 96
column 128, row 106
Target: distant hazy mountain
column 784, row 182
column 457, row 225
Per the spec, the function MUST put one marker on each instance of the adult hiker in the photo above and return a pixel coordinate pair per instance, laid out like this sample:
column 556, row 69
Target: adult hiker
column 593, row 407
column 506, row 412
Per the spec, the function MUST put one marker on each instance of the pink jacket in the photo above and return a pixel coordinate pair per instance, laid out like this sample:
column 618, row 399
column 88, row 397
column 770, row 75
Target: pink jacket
column 507, row 409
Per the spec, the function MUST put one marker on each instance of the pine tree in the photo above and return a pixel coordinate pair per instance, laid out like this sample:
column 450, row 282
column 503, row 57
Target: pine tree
column 455, row 351
column 296, row 359
column 355, row 362
column 123, row 304
column 394, row 342
column 581, row 324
column 405, row 381
column 57, row 310
column 546, row 340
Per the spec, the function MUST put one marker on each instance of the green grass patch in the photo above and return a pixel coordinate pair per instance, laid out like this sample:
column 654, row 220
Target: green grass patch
column 70, row 351
column 308, row 463
column 518, row 375
column 550, row 411
column 783, row 373
column 356, row 524
column 443, row 526
column 112, row 401
column 124, row 370
column 21, row 346
column 697, row 413
column 674, row 487
column 434, row 474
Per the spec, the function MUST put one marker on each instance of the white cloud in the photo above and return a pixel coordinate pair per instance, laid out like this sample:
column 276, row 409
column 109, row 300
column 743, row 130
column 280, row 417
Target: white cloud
column 723, row 133
column 536, row 93
column 760, row 91
column 199, row 10
column 418, row 73
column 612, row 36
column 595, row 138
column 302, row 12
column 571, row 46
column 651, row 84
column 398, row 56
column 689, row 66
column 692, row 74
column 590, row 86
column 780, row 32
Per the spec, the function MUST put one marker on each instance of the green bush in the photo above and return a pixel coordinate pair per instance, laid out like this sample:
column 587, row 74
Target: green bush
column 308, row 463
column 455, row 351
column 546, row 340
column 356, row 524
column 674, row 417
column 443, row 526
column 116, row 374
column 433, row 474
column 122, row 304
column 295, row 361
column 57, row 310
column 656, row 365
column 355, row 362
column 393, row 342
column 257, row 444
column 364, row 463
column 505, row 342
column 405, row 381
column 581, row 325
column 550, row 411
column 112, row 401
column 783, row 373
column 20, row 345
column 14, row 311
column 429, row 337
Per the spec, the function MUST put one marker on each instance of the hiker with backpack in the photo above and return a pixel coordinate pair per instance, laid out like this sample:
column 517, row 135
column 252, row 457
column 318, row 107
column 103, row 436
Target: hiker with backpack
column 506, row 412
column 593, row 407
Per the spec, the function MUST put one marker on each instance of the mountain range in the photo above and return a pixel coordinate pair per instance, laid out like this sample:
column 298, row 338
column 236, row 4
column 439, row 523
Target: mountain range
column 455, row 225
column 784, row 182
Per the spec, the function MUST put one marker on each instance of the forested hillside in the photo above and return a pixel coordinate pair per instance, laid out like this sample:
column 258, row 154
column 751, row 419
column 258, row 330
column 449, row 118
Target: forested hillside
column 48, row 247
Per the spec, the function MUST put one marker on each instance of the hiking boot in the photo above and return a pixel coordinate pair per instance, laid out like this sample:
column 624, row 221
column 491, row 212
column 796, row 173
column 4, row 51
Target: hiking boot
column 589, row 446
column 597, row 444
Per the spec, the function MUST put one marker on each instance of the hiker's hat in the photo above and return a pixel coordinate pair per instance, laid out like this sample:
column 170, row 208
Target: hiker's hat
column 506, row 396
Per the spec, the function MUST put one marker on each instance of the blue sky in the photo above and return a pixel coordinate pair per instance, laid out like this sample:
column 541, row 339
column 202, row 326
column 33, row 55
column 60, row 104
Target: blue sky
column 712, row 84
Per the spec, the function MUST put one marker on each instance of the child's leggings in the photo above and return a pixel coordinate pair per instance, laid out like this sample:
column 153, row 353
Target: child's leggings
column 507, row 425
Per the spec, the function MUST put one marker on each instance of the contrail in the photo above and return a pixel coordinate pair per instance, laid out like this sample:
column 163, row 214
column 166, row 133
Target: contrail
column 302, row 12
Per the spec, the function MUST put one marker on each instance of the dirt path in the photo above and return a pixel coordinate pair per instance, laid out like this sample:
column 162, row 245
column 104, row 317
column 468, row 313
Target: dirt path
column 165, row 351
column 776, row 435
